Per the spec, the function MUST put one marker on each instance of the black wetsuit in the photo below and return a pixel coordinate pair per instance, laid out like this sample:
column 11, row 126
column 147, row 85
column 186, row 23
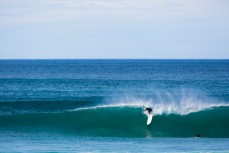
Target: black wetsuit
column 148, row 109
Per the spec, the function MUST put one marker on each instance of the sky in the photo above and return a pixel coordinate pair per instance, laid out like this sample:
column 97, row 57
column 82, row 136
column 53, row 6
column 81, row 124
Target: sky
column 114, row 29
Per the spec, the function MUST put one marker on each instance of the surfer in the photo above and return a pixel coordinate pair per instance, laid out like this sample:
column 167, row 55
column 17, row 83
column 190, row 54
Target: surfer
column 148, row 112
column 197, row 135
column 148, row 109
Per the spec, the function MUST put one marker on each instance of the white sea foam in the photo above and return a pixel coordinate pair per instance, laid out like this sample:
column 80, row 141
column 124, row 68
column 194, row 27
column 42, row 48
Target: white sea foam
column 185, row 104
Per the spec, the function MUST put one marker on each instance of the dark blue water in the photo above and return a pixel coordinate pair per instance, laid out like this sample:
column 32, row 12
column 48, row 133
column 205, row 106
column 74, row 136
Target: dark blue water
column 103, row 100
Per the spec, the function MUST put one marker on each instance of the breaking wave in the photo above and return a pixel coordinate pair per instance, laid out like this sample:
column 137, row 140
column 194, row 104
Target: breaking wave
column 125, row 118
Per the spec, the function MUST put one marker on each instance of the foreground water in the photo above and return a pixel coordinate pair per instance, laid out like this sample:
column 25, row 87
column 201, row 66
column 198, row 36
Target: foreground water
column 41, row 142
column 97, row 105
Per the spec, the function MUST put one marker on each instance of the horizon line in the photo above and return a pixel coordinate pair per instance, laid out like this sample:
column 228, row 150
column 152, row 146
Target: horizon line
column 114, row 59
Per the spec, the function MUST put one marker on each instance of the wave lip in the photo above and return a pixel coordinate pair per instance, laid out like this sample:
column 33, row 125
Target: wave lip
column 182, row 106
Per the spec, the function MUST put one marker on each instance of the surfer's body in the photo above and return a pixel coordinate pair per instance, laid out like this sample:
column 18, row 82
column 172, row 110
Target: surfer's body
column 149, row 114
column 148, row 109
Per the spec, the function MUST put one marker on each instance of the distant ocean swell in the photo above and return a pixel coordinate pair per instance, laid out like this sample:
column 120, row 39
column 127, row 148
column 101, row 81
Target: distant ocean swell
column 180, row 119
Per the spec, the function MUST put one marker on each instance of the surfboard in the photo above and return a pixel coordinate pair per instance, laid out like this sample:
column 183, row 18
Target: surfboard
column 150, row 117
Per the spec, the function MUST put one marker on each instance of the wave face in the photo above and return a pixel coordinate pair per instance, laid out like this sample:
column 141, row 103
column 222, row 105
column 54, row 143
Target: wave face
column 122, row 121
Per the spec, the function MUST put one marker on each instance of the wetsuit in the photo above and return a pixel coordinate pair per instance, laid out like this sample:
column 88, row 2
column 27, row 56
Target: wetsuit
column 148, row 109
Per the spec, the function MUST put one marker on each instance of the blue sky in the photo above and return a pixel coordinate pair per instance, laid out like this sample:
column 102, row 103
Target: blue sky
column 37, row 29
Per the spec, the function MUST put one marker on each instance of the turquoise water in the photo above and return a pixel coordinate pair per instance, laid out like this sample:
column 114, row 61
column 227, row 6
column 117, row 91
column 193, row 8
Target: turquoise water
column 97, row 105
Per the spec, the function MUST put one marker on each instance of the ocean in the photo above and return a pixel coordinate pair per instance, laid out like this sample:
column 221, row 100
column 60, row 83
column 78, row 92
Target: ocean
column 98, row 105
